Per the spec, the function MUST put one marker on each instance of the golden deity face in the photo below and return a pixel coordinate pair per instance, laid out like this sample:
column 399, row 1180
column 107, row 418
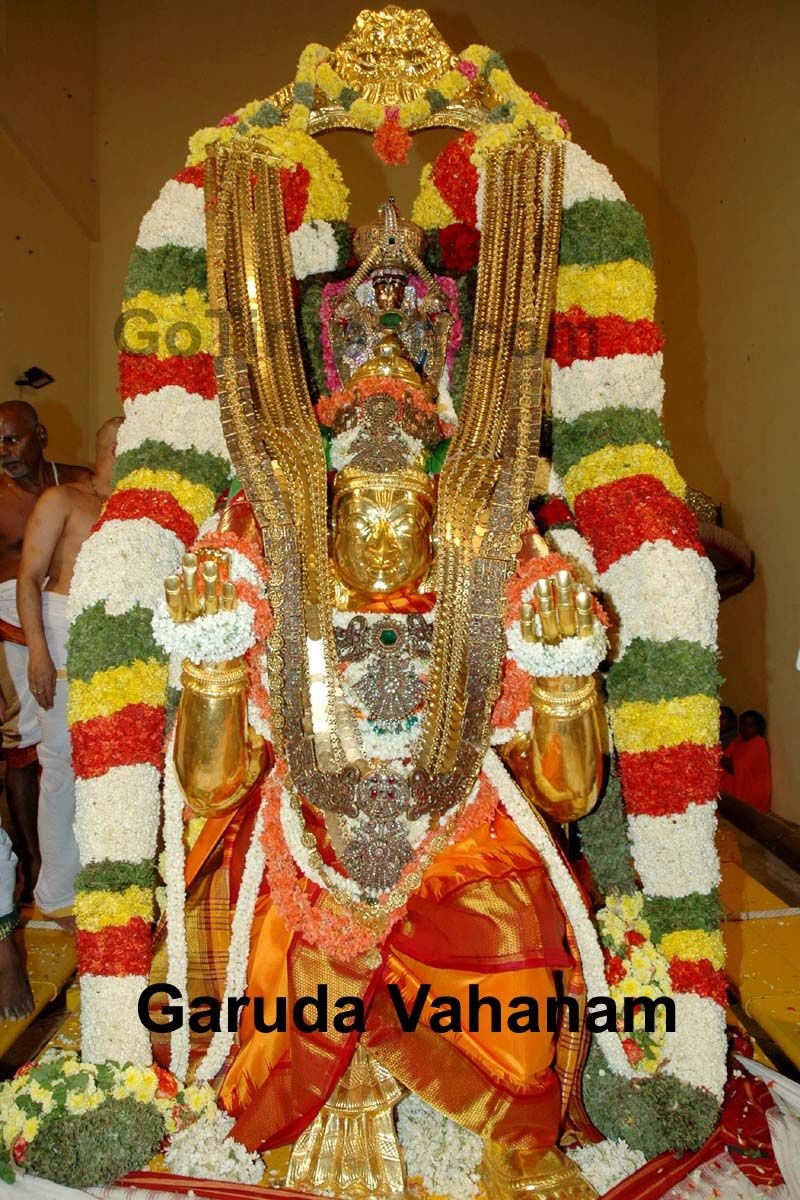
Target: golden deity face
column 382, row 531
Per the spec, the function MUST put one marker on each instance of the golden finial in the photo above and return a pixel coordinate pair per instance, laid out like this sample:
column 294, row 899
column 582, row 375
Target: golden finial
column 392, row 56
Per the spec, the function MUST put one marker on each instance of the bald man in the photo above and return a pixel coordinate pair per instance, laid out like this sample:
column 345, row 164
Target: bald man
column 25, row 474
column 57, row 528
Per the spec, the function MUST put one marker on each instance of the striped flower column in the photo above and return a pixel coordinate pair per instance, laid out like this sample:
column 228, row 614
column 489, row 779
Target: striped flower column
column 172, row 463
column 614, row 463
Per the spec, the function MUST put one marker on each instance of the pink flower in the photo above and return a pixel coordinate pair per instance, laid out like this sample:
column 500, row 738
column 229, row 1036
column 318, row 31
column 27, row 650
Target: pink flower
column 467, row 69
column 231, row 119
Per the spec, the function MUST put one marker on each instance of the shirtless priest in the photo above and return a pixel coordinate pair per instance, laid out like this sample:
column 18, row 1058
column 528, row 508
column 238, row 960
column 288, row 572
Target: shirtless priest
column 56, row 530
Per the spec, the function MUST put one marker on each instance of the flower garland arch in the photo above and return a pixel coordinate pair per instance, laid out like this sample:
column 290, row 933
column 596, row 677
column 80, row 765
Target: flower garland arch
column 616, row 511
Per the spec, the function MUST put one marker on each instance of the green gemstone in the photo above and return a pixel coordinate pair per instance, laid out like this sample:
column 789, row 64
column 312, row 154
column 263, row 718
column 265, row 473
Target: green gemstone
column 391, row 320
column 388, row 637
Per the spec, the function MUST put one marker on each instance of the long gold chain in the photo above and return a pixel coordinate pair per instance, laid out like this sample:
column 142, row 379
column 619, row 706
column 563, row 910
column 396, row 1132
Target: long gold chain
column 276, row 448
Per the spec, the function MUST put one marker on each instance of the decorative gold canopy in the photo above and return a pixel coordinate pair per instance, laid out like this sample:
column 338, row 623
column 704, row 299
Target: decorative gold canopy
column 392, row 56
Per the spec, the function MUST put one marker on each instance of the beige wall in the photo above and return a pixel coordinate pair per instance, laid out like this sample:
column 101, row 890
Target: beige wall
column 730, row 130
column 48, row 208
column 690, row 102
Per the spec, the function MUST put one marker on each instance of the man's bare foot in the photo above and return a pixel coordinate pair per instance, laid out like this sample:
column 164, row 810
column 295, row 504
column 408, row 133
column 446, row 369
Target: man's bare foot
column 16, row 1000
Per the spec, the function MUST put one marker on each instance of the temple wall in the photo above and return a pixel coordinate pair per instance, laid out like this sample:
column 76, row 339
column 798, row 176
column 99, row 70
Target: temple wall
column 730, row 259
column 48, row 210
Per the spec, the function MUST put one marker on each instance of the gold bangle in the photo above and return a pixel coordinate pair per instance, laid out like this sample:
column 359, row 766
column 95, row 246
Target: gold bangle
column 568, row 704
column 215, row 679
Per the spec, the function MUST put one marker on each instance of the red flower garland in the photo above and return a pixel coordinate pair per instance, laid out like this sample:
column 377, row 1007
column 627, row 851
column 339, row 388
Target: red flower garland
column 115, row 950
column 131, row 736
column 576, row 336
column 665, row 782
column 456, row 178
column 618, row 517
column 295, row 183
column 194, row 175
column 142, row 373
column 699, row 977
column 159, row 506
column 459, row 246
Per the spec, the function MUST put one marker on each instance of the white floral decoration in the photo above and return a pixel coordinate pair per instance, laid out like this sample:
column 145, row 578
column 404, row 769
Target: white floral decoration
column 573, row 546
column 531, row 826
column 660, row 593
column 239, row 949
column 204, row 1150
column 183, row 420
column 585, row 179
column 117, row 814
column 445, row 1156
column 110, row 1025
column 695, row 1053
column 590, row 385
column 675, row 855
column 176, row 218
column 123, row 565
column 314, row 249
column 571, row 656
column 173, row 869
column 605, row 1164
column 212, row 637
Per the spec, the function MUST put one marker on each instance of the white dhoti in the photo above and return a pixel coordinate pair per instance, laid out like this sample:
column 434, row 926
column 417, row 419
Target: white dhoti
column 21, row 726
column 8, row 874
column 60, row 863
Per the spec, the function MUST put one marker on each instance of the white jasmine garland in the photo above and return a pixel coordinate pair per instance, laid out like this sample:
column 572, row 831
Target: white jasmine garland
column 176, row 218
column 522, row 724
column 123, row 565
column 675, row 855
column 573, row 546
column 117, row 814
column 444, row 404
column 661, row 593
column 293, row 831
column 110, row 1025
column 445, row 1156
column 183, row 420
column 239, row 952
column 585, row 179
column 695, row 1053
column 174, row 859
column 605, row 1164
column 204, row 1150
column 531, row 826
column 590, row 385
column 571, row 656
column 314, row 249
column 213, row 637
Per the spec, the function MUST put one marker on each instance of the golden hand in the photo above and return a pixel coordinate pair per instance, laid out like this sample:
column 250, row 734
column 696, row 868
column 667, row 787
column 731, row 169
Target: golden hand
column 563, row 609
column 558, row 764
column 201, row 587
column 218, row 759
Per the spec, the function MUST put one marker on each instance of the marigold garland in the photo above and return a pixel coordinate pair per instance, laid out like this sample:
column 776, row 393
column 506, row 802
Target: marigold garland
column 115, row 949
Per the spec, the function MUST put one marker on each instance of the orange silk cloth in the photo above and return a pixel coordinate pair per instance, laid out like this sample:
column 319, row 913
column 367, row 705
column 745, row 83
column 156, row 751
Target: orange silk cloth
column 751, row 780
column 485, row 915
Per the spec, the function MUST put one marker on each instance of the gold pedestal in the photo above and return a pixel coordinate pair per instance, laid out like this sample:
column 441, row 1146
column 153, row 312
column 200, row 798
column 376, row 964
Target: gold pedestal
column 544, row 1174
column 351, row 1148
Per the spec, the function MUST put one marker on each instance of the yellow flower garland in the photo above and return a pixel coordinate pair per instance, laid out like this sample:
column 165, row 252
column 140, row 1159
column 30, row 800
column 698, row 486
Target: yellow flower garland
column 142, row 682
column 97, row 910
column 627, row 289
column 640, row 725
column 621, row 462
column 196, row 498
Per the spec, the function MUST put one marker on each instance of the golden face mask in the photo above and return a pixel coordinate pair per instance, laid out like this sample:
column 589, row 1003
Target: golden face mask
column 382, row 530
